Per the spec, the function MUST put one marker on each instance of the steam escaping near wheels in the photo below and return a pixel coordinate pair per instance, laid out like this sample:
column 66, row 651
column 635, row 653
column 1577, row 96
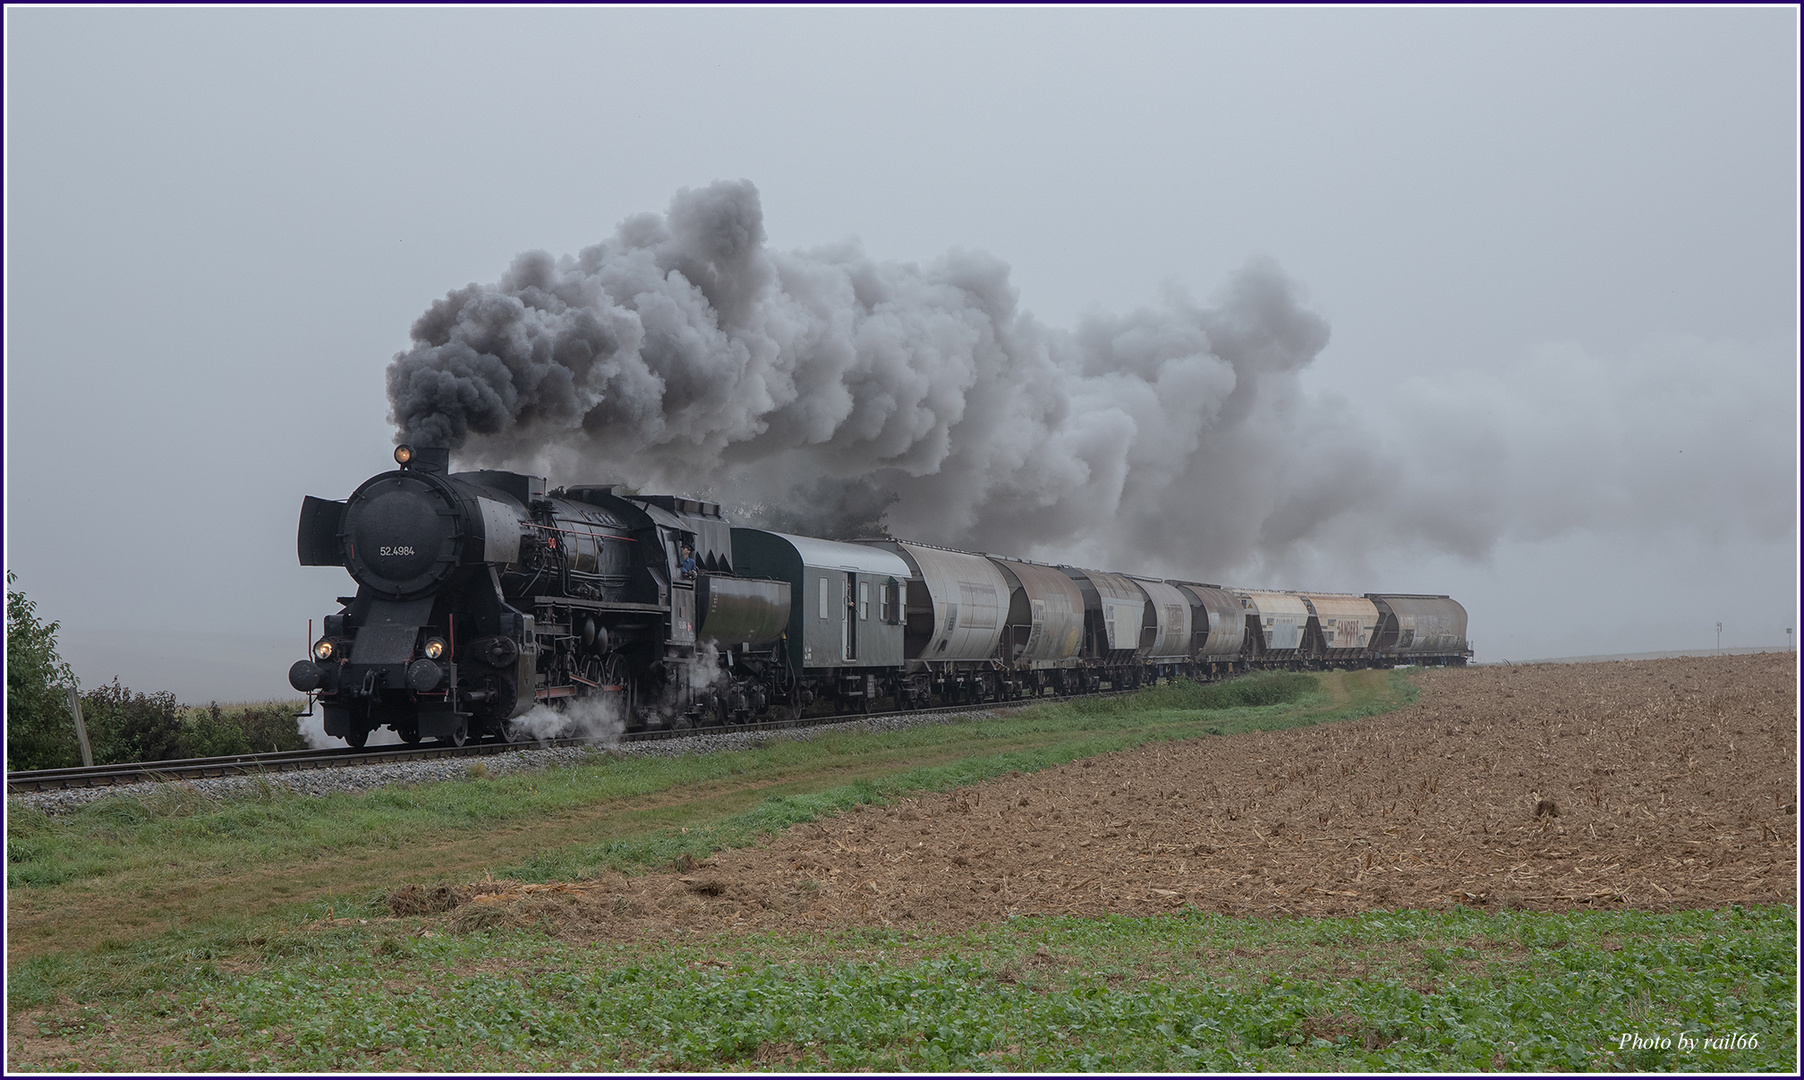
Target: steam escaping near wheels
column 598, row 719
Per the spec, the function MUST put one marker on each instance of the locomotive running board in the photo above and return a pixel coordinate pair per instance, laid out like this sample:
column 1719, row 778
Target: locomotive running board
column 598, row 605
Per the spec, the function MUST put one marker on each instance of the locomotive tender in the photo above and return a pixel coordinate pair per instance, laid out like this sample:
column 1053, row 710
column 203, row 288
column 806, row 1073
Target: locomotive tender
column 481, row 596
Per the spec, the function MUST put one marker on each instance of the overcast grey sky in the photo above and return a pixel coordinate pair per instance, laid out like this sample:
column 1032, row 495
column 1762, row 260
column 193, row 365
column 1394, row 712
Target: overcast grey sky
column 1555, row 251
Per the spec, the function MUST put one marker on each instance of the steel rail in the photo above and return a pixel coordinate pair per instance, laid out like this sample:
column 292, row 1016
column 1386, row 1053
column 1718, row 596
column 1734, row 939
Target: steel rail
column 248, row 764
column 300, row 760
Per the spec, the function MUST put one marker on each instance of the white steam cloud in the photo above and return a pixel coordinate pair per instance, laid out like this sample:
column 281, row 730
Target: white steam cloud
column 829, row 391
column 597, row 719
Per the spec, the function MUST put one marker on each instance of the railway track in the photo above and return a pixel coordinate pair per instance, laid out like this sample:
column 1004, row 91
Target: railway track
column 248, row 765
column 299, row 760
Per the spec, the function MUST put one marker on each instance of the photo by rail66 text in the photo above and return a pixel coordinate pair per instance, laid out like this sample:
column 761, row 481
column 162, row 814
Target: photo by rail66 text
column 1686, row 1040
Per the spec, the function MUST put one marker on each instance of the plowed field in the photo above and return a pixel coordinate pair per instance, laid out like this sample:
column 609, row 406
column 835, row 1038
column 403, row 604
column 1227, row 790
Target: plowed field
column 1656, row 784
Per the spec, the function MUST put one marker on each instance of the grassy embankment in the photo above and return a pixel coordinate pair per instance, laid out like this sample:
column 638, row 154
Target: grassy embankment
column 199, row 946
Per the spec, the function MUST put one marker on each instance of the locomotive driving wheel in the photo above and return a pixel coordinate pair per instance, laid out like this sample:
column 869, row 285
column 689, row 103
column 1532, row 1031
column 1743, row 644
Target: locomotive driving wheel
column 510, row 730
column 617, row 686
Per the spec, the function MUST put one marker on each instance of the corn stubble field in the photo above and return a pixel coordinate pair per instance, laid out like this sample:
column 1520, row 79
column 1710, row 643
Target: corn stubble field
column 1489, row 868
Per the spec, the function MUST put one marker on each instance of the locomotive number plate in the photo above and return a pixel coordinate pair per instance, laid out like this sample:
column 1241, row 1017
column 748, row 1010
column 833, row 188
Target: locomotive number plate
column 395, row 551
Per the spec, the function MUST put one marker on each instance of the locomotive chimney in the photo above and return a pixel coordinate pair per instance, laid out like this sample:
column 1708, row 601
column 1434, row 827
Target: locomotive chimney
column 436, row 459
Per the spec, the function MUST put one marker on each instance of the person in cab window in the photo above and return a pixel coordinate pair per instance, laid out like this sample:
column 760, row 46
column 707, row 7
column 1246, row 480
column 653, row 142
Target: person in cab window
column 688, row 563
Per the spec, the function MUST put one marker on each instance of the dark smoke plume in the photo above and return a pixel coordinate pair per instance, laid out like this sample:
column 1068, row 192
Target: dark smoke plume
column 840, row 393
column 830, row 508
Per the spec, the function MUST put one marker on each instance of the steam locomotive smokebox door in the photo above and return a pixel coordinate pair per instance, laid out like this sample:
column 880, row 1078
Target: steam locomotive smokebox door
column 404, row 534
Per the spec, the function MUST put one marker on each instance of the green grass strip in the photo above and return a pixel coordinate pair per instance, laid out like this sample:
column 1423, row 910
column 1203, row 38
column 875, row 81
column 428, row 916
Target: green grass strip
column 1403, row 991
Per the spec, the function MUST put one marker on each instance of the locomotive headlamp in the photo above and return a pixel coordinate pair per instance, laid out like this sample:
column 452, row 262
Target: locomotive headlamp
column 403, row 455
column 322, row 649
column 435, row 648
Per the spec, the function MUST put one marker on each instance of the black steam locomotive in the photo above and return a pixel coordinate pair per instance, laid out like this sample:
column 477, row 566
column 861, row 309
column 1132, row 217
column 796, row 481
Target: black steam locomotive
column 482, row 597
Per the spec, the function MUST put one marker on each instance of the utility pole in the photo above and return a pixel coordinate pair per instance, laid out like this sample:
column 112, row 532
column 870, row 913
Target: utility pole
column 81, row 730
column 1719, row 639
